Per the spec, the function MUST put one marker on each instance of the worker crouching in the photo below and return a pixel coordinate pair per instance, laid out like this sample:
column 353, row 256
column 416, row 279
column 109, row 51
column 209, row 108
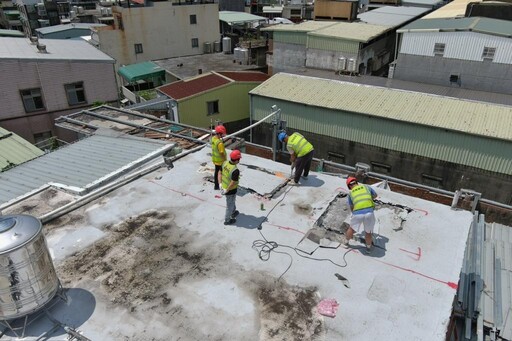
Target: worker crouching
column 229, row 178
column 301, row 154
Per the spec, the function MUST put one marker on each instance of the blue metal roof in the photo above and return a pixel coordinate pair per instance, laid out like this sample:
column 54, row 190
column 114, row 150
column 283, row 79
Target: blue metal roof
column 79, row 164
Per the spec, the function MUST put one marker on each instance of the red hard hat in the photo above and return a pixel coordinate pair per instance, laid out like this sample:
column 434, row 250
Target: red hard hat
column 235, row 155
column 220, row 130
column 350, row 179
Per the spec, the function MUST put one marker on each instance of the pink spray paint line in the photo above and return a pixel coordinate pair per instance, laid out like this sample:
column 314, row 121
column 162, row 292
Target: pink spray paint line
column 420, row 210
column 286, row 228
column 450, row 284
column 417, row 254
column 185, row 194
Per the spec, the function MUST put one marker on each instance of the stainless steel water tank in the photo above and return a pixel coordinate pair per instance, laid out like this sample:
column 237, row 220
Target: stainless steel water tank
column 342, row 64
column 226, row 45
column 27, row 277
column 217, row 46
column 351, row 65
column 207, row 47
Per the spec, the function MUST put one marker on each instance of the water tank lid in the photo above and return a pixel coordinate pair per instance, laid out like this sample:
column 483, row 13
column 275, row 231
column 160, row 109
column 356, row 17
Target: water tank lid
column 17, row 230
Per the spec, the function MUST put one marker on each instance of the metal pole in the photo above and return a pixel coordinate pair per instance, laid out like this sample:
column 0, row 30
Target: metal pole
column 276, row 122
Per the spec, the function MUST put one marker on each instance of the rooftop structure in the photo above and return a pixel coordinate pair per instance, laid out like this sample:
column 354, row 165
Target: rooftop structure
column 54, row 49
column 14, row 150
column 133, row 260
column 232, row 18
column 391, row 16
column 454, row 9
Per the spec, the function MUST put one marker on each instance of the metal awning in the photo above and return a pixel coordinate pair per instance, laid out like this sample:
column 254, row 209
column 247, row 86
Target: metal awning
column 141, row 71
column 231, row 17
column 273, row 9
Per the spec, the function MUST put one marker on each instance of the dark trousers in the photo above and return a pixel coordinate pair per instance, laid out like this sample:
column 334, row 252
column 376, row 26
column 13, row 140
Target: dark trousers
column 216, row 176
column 303, row 164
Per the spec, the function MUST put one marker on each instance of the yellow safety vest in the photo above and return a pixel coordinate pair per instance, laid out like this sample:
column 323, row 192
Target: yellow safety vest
column 227, row 170
column 299, row 144
column 361, row 198
column 216, row 156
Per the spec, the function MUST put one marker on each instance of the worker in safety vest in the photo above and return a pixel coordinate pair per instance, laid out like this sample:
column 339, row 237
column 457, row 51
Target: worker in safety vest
column 301, row 154
column 218, row 153
column 229, row 178
column 360, row 200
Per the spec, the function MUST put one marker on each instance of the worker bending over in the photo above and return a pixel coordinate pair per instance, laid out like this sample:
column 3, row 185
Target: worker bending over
column 360, row 201
column 301, row 153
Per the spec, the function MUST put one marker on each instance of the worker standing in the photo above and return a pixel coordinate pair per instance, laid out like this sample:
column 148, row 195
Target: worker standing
column 229, row 178
column 301, row 153
column 361, row 203
column 218, row 153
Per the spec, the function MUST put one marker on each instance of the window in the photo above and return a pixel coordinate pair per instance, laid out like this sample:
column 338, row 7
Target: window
column 489, row 53
column 381, row 168
column 75, row 93
column 138, row 48
column 213, row 107
column 432, row 181
column 195, row 42
column 439, row 49
column 32, row 100
column 193, row 19
column 454, row 78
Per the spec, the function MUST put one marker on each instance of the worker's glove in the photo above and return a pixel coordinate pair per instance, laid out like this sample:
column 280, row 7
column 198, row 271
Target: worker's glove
column 222, row 191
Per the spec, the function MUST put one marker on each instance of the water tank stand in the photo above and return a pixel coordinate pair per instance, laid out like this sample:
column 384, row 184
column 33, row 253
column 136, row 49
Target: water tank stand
column 18, row 327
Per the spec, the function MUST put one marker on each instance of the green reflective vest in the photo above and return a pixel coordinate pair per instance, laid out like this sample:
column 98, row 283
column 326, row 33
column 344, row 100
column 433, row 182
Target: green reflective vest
column 361, row 197
column 299, row 144
column 227, row 170
column 216, row 156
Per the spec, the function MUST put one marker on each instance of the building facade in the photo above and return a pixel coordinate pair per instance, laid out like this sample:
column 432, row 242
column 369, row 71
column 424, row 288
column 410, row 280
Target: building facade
column 471, row 53
column 159, row 30
column 41, row 82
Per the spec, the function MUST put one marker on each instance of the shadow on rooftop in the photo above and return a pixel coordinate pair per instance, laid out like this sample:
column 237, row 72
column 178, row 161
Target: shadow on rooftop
column 379, row 246
column 249, row 221
column 312, row 181
column 73, row 313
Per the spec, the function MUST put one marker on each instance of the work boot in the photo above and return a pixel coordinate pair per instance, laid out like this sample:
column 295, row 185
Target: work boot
column 293, row 183
column 235, row 214
column 216, row 188
column 368, row 249
column 230, row 221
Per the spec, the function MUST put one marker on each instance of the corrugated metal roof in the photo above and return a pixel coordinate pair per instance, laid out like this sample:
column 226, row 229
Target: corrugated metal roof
column 356, row 31
column 15, row 150
column 497, row 268
column 66, row 27
column 476, row 118
column 431, row 3
column 473, row 24
column 231, row 17
column 306, row 26
column 392, row 16
column 140, row 71
column 454, row 9
column 57, row 49
column 78, row 164
column 192, row 86
column 11, row 33
column 245, row 76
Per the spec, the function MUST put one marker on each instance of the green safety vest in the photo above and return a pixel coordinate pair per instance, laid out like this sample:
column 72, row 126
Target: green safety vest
column 227, row 170
column 216, row 156
column 361, row 197
column 299, row 144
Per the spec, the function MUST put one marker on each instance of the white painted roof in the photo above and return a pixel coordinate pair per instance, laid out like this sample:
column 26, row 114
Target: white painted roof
column 57, row 49
column 66, row 27
column 164, row 265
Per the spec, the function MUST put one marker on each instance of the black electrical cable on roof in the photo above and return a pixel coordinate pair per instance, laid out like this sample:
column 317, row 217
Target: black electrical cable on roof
column 266, row 247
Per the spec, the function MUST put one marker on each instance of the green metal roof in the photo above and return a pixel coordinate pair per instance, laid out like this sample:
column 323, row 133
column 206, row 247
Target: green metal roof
column 231, row 17
column 475, row 24
column 11, row 33
column 477, row 118
column 15, row 150
column 361, row 32
column 140, row 71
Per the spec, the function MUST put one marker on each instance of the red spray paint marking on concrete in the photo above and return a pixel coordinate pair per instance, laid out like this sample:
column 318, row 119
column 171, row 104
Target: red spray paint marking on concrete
column 420, row 210
column 286, row 228
column 418, row 254
column 185, row 194
column 450, row 284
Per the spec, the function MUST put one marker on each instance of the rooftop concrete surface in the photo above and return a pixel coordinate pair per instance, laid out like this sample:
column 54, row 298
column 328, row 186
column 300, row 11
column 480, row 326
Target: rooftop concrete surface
column 153, row 260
